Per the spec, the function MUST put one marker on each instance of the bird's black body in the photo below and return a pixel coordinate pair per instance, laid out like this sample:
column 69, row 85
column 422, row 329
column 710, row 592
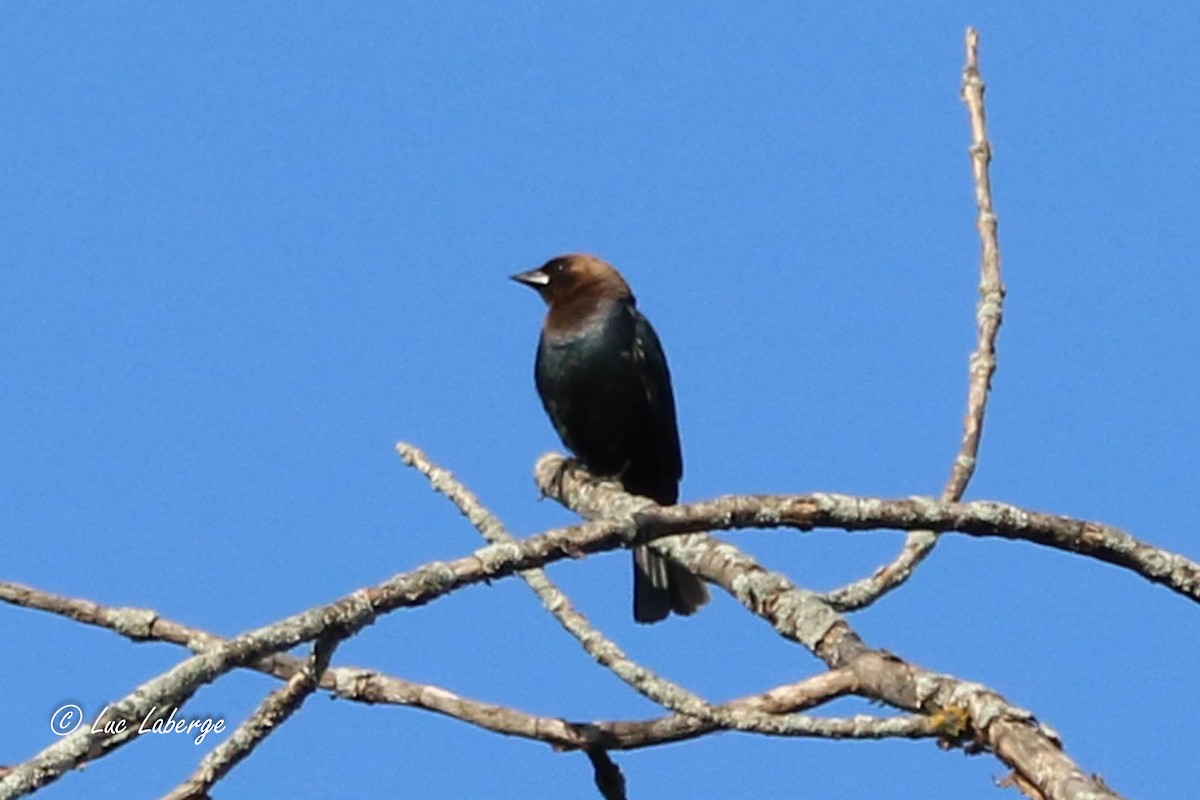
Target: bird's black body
column 608, row 393
column 603, row 379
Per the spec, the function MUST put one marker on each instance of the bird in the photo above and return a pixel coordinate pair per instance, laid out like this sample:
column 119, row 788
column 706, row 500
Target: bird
column 603, row 380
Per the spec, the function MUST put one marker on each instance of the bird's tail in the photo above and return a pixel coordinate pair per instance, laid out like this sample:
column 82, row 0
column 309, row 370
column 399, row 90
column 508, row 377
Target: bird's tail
column 661, row 586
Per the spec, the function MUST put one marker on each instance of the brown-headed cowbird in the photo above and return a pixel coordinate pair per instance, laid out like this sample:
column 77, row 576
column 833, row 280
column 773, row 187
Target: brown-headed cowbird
column 603, row 379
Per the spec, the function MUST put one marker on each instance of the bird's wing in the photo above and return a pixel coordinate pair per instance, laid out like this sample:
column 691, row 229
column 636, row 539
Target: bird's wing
column 554, row 400
column 660, row 399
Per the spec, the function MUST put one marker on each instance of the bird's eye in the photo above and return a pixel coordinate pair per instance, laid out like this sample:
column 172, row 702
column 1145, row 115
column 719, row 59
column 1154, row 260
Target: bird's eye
column 557, row 268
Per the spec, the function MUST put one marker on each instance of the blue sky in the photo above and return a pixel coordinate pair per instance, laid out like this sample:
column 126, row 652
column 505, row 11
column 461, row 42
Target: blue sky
column 247, row 249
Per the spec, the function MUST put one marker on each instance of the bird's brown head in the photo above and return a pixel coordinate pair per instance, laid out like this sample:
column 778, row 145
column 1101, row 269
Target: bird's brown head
column 574, row 285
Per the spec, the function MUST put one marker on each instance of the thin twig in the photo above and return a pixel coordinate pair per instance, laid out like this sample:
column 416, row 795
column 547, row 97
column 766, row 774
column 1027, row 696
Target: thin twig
column 988, row 316
column 808, row 693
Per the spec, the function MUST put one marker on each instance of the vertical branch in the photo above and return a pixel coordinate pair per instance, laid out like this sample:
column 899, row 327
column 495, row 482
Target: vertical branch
column 990, row 311
column 982, row 365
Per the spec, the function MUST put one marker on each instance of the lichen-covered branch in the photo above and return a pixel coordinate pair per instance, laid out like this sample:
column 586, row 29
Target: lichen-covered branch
column 372, row 687
column 607, row 653
column 798, row 614
column 806, row 512
column 603, row 649
column 1027, row 746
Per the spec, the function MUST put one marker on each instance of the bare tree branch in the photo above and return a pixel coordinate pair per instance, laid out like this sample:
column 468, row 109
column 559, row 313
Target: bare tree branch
column 175, row 687
column 808, row 693
column 1029, row 747
column 368, row 686
column 792, row 611
column 607, row 653
column 350, row 683
column 600, row 647
column 806, row 512
column 349, row 614
column 608, row 777
column 769, row 594
column 988, row 316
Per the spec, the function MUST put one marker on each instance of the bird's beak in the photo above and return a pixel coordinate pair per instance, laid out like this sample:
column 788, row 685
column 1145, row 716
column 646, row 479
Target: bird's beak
column 534, row 277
